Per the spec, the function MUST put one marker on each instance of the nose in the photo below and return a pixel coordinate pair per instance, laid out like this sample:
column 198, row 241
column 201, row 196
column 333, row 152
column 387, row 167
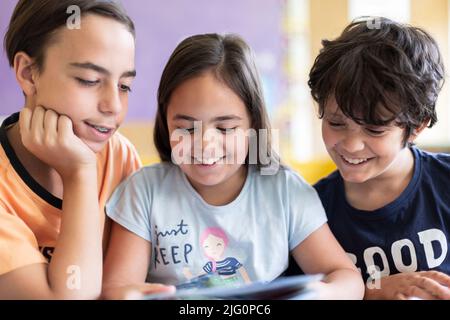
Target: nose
column 110, row 102
column 352, row 142
column 211, row 144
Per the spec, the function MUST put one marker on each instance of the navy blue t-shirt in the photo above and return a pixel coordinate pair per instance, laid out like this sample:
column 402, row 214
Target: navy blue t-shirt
column 409, row 234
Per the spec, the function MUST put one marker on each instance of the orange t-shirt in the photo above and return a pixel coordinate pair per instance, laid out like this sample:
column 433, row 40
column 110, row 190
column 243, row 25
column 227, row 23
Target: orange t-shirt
column 30, row 216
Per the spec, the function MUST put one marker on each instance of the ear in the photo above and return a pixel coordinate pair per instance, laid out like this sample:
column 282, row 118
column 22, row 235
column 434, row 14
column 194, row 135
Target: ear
column 25, row 73
column 417, row 131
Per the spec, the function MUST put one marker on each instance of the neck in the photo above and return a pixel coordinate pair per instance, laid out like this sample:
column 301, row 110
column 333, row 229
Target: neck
column 45, row 175
column 385, row 188
column 225, row 192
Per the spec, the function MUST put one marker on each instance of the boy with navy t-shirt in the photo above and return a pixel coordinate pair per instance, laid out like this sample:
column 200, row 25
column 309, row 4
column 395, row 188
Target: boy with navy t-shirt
column 388, row 204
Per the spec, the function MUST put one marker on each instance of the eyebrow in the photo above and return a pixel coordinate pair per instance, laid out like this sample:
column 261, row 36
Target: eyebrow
column 334, row 115
column 216, row 119
column 99, row 69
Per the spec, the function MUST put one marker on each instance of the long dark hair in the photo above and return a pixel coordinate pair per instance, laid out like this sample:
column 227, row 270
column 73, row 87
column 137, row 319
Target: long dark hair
column 230, row 59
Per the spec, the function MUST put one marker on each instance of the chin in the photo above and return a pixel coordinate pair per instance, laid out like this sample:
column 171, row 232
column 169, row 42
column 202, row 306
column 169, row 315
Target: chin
column 207, row 181
column 354, row 178
column 96, row 147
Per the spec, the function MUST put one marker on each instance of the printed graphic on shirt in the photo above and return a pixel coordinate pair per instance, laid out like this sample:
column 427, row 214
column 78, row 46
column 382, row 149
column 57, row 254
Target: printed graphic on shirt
column 404, row 254
column 173, row 254
column 213, row 243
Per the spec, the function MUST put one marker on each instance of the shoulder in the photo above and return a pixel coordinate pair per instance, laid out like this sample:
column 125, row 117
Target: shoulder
column 153, row 174
column 285, row 183
column 119, row 144
column 435, row 168
column 119, row 153
column 435, row 161
column 329, row 183
column 284, row 176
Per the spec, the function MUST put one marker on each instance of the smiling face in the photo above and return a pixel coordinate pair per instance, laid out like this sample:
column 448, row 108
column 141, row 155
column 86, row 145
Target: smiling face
column 214, row 247
column 215, row 151
column 87, row 76
column 362, row 153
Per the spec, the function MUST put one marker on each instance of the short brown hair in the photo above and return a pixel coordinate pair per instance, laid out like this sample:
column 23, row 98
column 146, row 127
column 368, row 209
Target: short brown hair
column 34, row 22
column 230, row 59
column 380, row 72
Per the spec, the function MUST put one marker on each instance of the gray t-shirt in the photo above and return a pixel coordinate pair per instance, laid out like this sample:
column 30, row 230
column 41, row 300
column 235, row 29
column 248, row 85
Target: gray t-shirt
column 246, row 240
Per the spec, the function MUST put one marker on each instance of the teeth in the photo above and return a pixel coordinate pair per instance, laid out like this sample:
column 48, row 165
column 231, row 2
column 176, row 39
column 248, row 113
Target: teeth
column 98, row 128
column 354, row 161
column 208, row 161
column 101, row 129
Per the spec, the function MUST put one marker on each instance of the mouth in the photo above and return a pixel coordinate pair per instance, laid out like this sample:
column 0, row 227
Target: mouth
column 355, row 161
column 207, row 161
column 100, row 128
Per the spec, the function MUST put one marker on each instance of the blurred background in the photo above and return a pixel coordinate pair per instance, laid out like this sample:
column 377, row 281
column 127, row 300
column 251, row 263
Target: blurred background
column 285, row 36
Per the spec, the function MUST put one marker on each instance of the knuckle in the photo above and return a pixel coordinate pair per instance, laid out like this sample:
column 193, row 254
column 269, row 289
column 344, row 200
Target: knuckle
column 411, row 291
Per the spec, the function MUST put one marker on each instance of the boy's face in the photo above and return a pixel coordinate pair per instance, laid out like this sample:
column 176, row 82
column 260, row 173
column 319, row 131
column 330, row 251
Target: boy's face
column 86, row 76
column 361, row 153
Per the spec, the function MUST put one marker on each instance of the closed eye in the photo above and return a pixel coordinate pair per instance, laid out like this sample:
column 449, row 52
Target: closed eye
column 87, row 83
column 335, row 124
column 188, row 130
column 226, row 130
column 375, row 132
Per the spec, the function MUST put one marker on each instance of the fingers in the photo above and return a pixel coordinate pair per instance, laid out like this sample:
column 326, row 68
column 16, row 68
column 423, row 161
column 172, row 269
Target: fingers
column 432, row 287
column 440, row 277
column 25, row 120
column 137, row 292
column 65, row 126
column 37, row 122
column 417, row 292
column 50, row 121
column 156, row 288
column 400, row 296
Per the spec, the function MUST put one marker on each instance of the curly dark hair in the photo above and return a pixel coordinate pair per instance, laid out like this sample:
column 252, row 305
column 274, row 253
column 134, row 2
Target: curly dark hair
column 379, row 73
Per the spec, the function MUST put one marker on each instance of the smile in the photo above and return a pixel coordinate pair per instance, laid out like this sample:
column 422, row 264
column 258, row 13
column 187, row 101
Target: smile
column 355, row 160
column 100, row 129
column 209, row 161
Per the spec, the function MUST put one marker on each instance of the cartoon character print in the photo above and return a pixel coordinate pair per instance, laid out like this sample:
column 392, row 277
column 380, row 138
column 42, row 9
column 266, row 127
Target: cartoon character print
column 214, row 242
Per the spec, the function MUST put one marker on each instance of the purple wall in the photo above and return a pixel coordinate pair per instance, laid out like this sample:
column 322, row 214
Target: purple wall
column 160, row 25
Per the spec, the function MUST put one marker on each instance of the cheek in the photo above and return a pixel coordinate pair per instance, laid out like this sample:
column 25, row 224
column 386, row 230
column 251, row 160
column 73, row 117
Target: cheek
column 329, row 137
column 66, row 99
column 124, row 111
column 385, row 148
column 237, row 145
column 181, row 146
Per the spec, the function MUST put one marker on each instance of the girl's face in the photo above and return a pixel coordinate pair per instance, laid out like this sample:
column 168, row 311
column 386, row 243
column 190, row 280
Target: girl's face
column 214, row 247
column 87, row 76
column 215, row 151
column 362, row 153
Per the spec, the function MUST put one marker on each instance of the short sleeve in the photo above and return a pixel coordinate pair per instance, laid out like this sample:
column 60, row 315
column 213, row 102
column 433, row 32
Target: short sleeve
column 129, row 205
column 18, row 244
column 133, row 160
column 306, row 212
